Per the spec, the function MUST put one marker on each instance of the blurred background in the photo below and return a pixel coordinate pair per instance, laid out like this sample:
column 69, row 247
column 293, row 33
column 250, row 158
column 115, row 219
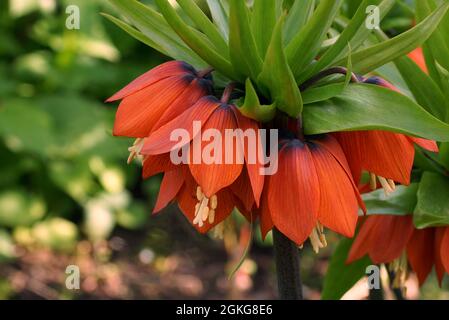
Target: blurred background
column 67, row 196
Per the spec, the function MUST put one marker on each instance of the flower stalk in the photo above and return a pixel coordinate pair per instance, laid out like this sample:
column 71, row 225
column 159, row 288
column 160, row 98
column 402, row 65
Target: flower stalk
column 287, row 260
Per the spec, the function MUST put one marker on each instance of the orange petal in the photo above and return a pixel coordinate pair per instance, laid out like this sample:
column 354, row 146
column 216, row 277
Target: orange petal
column 159, row 141
column 429, row 145
column 389, row 155
column 392, row 234
column 338, row 209
column 444, row 250
column 364, row 240
column 139, row 112
column 217, row 175
column 153, row 165
column 170, row 186
column 242, row 190
column 332, row 146
column 165, row 70
column 266, row 223
column 188, row 98
column 439, row 266
column 293, row 192
column 253, row 164
column 420, row 254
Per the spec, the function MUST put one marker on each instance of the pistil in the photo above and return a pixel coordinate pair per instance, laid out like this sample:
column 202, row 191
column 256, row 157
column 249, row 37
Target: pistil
column 134, row 150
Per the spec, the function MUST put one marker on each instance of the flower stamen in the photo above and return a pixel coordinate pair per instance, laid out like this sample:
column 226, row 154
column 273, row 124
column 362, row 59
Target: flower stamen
column 205, row 208
column 134, row 150
column 388, row 185
column 317, row 238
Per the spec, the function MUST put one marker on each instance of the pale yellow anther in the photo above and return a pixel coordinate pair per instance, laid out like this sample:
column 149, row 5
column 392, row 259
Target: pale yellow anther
column 211, row 216
column 205, row 208
column 214, row 202
column 199, row 194
column 386, row 186
column 134, row 150
column 372, row 181
column 317, row 238
column 205, row 213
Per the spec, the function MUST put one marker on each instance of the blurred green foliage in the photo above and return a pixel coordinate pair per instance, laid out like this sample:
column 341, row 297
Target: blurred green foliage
column 63, row 176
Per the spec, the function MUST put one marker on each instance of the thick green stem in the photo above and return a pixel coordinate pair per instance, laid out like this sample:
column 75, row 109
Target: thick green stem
column 287, row 267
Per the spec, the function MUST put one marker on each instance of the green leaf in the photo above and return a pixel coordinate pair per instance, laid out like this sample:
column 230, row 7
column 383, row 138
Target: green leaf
column 401, row 202
column 252, row 108
column 277, row 78
column 307, row 43
column 438, row 43
column 340, row 277
column 299, row 14
column 432, row 209
column 375, row 56
column 348, row 33
column 135, row 33
column 204, row 24
column 368, row 107
column 242, row 45
column 424, row 89
column 195, row 40
column 325, row 92
column 263, row 21
column 219, row 16
column 363, row 33
column 153, row 26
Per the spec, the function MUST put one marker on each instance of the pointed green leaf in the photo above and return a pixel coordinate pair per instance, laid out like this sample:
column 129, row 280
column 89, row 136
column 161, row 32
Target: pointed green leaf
column 368, row 107
column 307, row 43
column 205, row 25
column 298, row 16
column 262, row 22
column 432, row 209
column 375, row 56
column 153, row 26
column 195, row 40
column 219, row 16
column 243, row 49
column 424, row 89
column 357, row 23
column 135, row 33
column 277, row 78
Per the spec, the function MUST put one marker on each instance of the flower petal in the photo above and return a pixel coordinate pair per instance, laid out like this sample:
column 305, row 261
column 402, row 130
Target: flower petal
column 160, row 140
column 338, row 209
column 220, row 172
column 389, row 155
column 195, row 91
column 139, row 112
column 364, row 240
column 444, row 250
column 170, row 186
column 165, row 70
column 420, row 254
column 429, row 145
column 153, row 165
column 439, row 266
column 392, row 234
column 242, row 190
column 252, row 154
column 293, row 192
